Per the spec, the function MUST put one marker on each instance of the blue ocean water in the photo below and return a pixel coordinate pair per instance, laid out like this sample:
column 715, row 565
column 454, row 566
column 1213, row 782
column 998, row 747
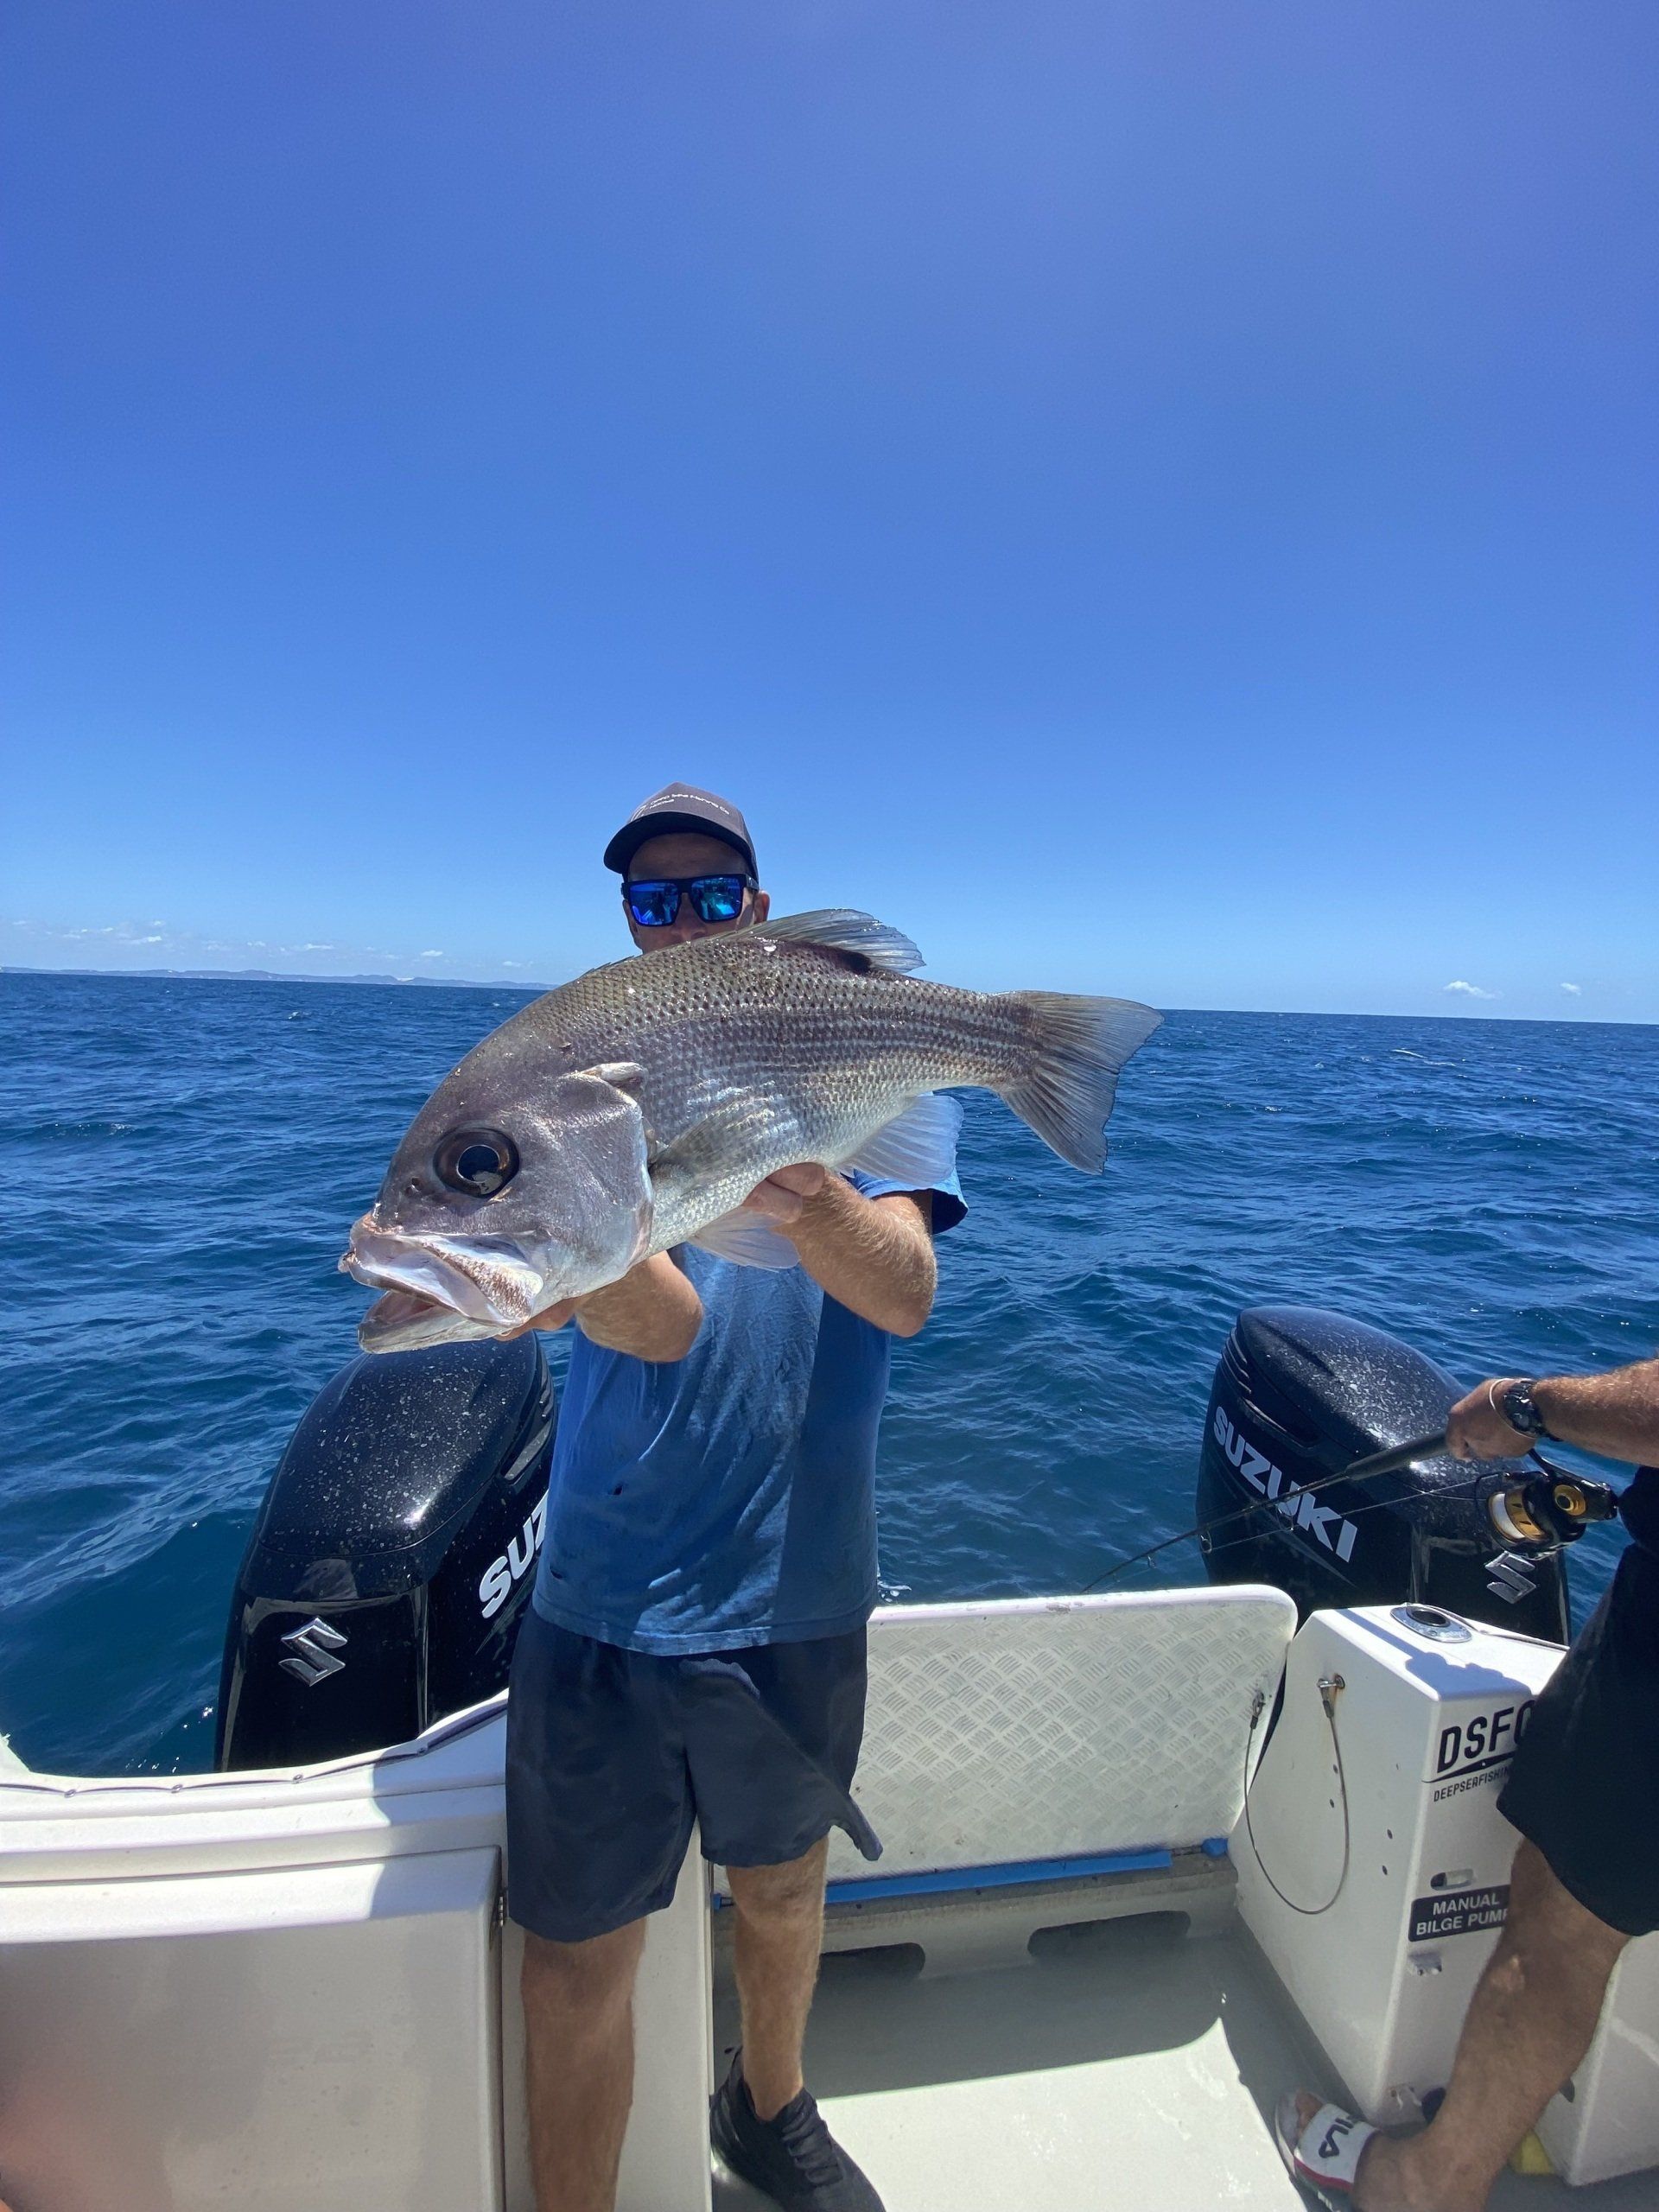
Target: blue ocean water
column 181, row 1159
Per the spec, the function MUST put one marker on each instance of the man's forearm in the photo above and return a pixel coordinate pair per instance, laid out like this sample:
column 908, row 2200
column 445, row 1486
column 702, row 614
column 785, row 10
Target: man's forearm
column 872, row 1256
column 1615, row 1414
column 653, row 1313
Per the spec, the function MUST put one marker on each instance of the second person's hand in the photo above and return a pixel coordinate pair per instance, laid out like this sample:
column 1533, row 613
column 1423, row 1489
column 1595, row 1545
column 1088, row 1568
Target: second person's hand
column 1475, row 1429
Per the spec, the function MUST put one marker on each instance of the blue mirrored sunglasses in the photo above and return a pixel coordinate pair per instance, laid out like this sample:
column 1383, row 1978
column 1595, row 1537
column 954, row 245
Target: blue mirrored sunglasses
column 654, row 901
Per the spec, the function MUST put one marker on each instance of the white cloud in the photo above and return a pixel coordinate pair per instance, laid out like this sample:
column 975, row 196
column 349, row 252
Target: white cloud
column 432, row 956
column 1575, row 988
column 1470, row 990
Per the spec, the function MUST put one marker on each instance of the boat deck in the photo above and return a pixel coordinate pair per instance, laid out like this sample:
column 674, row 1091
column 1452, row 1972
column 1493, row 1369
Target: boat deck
column 1135, row 2069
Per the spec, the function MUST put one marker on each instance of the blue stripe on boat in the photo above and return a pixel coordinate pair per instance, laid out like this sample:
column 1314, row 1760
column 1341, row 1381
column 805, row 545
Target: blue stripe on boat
column 943, row 1879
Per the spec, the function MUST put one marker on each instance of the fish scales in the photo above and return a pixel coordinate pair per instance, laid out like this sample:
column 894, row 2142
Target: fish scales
column 821, row 1055
column 772, row 1019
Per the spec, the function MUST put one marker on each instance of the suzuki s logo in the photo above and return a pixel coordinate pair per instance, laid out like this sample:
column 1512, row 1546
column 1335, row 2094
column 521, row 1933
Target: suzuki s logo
column 496, row 1587
column 311, row 1653
column 1302, row 1511
column 1509, row 1576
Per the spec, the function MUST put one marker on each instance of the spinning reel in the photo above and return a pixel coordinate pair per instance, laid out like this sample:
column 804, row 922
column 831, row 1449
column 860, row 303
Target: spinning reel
column 1542, row 1511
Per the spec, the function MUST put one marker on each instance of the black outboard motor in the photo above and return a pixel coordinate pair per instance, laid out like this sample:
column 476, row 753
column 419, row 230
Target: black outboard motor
column 1301, row 1393
column 393, row 1555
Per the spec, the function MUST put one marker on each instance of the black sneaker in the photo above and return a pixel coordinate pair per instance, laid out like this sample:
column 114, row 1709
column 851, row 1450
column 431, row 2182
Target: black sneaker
column 794, row 2159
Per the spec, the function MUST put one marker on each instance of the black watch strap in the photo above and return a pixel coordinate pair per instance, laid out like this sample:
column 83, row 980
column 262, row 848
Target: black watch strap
column 1519, row 1410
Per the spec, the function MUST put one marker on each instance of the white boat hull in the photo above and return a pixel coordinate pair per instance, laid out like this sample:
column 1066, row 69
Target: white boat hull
column 299, row 1989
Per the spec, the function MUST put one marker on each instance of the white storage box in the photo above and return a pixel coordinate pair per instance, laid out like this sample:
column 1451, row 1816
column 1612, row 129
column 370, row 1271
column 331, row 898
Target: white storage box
column 1378, row 1876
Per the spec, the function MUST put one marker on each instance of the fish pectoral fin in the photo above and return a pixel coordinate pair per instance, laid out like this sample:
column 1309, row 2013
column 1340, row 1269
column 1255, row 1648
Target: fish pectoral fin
column 749, row 1240
column 737, row 1124
column 845, row 930
column 621, row 1075
column 917, row 1147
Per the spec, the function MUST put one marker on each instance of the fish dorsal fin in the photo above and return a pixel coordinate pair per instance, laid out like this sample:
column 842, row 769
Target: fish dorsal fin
column 844, row 929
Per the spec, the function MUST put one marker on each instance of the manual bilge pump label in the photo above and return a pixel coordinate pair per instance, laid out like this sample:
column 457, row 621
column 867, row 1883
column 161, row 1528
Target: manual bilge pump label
column 1458, row 1912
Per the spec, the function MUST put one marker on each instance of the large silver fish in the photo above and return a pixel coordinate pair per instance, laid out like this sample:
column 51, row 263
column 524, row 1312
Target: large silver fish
column 636, row 1108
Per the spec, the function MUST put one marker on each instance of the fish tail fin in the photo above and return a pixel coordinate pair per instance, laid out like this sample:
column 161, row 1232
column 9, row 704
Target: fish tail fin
column 1077, row 1048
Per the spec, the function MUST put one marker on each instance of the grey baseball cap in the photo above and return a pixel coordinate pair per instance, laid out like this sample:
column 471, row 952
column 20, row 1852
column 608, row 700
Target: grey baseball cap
column 680, row 806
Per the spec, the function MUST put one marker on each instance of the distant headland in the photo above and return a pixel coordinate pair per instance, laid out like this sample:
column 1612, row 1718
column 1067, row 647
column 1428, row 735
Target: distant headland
column 273, row 976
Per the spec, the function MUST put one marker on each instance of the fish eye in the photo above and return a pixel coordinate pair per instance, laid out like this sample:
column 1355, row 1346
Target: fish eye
column 478, row 1162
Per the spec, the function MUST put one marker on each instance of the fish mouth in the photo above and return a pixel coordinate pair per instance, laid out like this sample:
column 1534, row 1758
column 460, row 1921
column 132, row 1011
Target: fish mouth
column 402, row 1320
column 490, row 1283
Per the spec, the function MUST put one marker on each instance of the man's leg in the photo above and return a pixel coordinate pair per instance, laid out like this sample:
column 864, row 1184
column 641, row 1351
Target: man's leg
column 1530, row 2023
column 779, row 1933
column 599, row 1814
column 579, row 2044
column 771, row 1740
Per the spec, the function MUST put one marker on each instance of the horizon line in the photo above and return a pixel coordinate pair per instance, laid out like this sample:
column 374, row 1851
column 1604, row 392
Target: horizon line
column 537, row 990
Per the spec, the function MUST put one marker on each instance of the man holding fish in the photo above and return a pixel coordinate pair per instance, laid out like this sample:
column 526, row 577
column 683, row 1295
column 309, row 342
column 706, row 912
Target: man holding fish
column 727, row 1162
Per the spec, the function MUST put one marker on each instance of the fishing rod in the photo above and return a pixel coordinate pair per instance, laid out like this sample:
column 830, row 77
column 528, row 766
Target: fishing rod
column 1538, row 1512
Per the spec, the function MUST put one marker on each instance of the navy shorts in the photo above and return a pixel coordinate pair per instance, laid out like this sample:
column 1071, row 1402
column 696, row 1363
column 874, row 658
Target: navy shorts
column 1584, row 1784
column 612, row 1755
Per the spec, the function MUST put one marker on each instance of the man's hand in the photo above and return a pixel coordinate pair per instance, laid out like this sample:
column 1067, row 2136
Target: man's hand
column 1475, row 1429
column 653, row 1313
column 782, row 1197
column 872, row 1256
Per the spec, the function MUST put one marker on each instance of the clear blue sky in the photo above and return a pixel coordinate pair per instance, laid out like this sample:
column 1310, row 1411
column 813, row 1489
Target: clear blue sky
column 1149, row 494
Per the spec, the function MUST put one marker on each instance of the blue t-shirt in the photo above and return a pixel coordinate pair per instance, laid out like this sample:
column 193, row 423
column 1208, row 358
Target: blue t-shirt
column 726, row 1499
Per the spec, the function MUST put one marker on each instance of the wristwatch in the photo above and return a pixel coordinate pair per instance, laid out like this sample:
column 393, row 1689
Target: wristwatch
column 1515, row 1404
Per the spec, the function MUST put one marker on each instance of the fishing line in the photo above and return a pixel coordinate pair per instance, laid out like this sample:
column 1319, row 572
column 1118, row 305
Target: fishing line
column 1589, row 1501
column 1380, row 1462
column 1269, row 1504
